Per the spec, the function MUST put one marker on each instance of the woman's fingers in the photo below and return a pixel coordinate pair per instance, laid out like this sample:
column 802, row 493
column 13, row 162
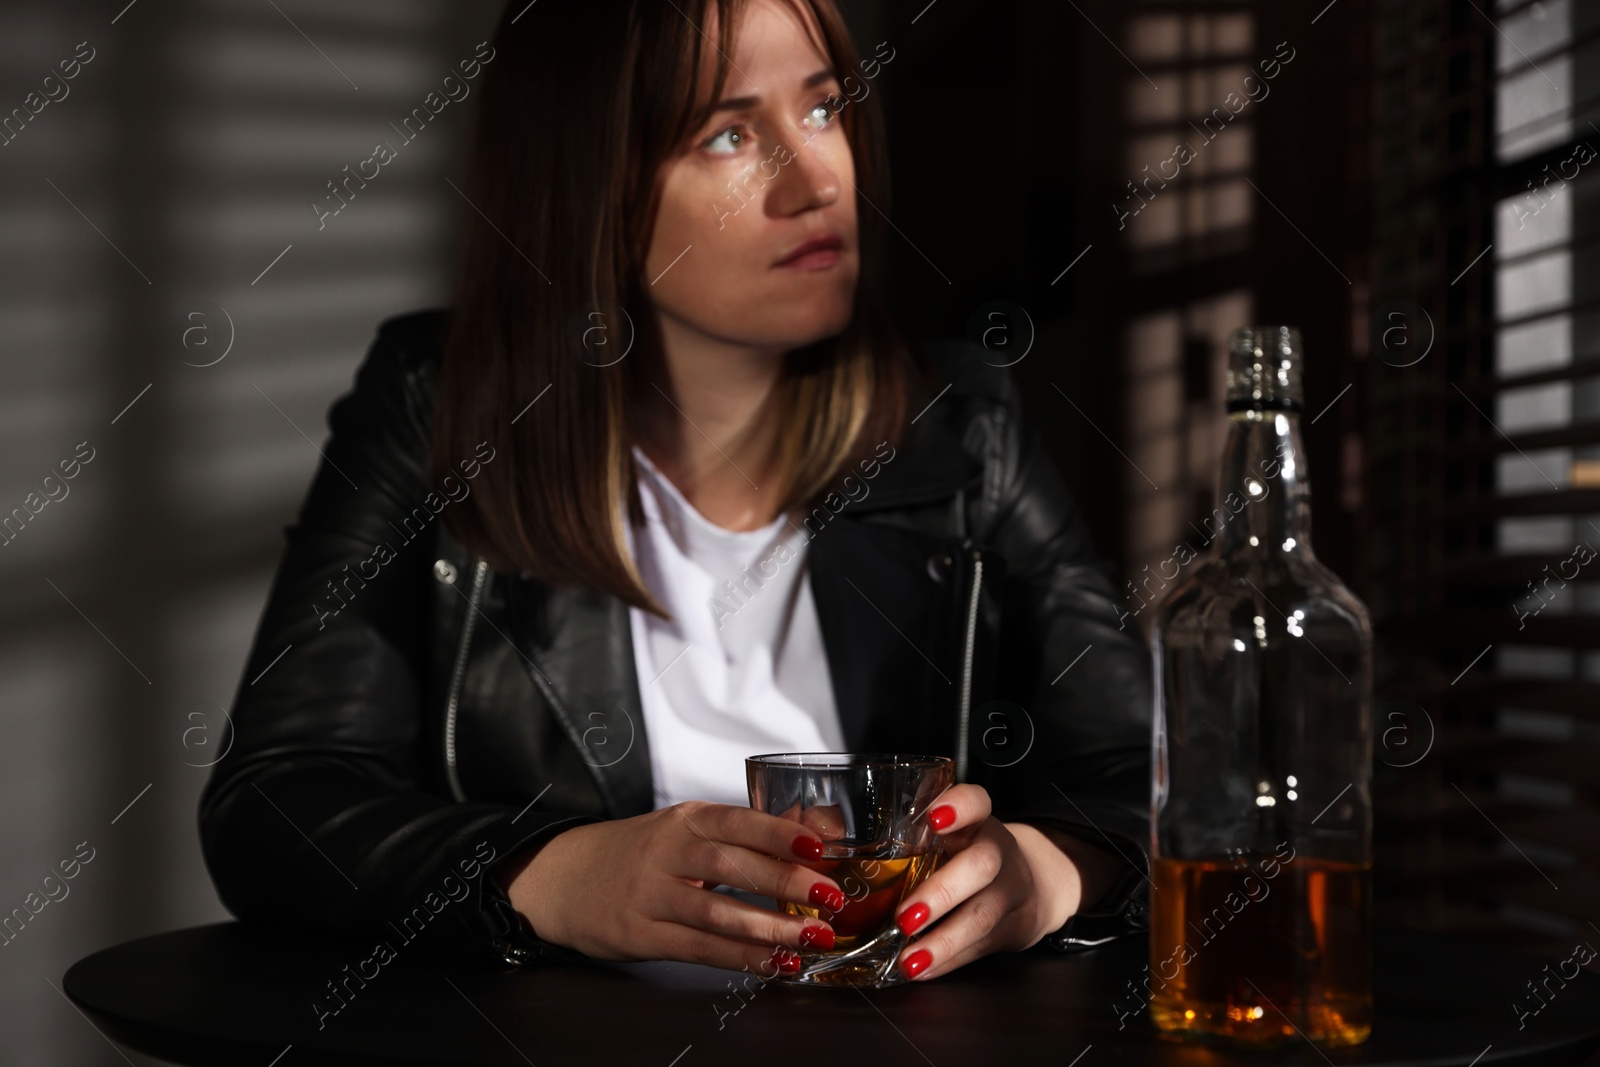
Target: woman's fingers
column 958, row 877
column 755, row 830
column 691, row 945
column 736, row 847
column 728, row 864
column 958, row 816
column 960, row 808
column 721, row 914
column 699, row 883
column 963, row 937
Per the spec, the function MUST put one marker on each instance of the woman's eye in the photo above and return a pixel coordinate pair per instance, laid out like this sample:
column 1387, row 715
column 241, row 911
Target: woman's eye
column 820, row 116
column 727, row 142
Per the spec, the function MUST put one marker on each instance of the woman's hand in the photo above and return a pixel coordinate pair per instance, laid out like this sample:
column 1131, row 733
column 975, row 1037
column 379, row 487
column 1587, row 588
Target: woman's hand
column 1000, row 888
column 642, row 888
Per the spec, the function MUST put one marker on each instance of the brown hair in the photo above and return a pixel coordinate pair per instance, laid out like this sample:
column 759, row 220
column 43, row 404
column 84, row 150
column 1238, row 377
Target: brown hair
column 581, row 104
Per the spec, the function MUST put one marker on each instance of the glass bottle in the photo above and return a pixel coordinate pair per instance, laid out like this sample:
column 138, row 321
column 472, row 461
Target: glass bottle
column 1260, row 911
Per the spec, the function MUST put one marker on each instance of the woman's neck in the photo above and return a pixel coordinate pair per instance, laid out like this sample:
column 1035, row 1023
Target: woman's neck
column 708, row 421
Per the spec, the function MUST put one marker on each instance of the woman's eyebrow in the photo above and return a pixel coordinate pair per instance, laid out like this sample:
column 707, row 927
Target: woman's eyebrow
column 740, row 103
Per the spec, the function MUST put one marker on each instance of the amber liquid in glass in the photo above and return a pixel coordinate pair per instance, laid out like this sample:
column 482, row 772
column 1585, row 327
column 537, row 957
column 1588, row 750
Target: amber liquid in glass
column 1238, row 957
column 873, row 889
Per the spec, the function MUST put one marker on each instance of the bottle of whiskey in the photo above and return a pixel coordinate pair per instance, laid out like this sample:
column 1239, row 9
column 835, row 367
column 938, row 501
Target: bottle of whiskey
column 1260, row 911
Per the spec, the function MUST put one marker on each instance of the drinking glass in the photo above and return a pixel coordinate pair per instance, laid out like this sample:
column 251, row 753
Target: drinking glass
column 869, row 810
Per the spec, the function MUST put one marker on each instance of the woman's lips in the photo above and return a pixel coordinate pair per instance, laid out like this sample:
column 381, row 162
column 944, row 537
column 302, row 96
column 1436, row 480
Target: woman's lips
column 815, row 254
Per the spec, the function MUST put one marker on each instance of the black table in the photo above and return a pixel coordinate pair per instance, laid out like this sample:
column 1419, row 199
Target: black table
column 236, row 994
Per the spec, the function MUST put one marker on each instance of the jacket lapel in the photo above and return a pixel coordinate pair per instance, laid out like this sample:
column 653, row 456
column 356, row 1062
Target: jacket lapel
column 883, row 612
column 577, row 646
column 884, row 595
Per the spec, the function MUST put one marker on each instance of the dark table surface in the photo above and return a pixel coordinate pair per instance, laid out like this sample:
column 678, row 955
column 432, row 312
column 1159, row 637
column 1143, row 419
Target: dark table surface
column 236, row 994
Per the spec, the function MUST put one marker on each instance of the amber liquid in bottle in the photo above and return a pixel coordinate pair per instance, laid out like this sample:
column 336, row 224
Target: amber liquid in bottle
column 1264, row 954
column 1261, row 858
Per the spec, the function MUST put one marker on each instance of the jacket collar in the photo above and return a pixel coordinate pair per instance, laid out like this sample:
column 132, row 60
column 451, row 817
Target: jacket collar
column 879, row 603
column 930, row 465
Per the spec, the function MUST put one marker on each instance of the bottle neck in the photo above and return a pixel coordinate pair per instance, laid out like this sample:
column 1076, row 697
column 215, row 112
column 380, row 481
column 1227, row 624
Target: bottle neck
column 1263, row 505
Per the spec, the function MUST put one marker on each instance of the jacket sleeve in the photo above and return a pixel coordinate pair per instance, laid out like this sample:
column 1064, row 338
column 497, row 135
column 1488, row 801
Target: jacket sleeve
column 1078, row 668
column 314, row 817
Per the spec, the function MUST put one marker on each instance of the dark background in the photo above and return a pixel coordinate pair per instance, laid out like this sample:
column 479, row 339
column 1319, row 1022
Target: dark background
column 163, row 209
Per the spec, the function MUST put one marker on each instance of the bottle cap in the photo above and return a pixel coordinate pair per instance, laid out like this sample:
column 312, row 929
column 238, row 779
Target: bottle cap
column 1264, row 369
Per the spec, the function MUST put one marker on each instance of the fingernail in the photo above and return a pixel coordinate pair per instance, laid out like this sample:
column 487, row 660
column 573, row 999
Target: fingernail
column 916, row 963
column 912, row 919
column 817, row 937
column 941, row 816
column 785, row 961
column 807, row 847
column 824, row 895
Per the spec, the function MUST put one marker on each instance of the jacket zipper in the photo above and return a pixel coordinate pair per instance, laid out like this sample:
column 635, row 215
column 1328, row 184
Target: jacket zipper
column 458, row 675
column 965, row 705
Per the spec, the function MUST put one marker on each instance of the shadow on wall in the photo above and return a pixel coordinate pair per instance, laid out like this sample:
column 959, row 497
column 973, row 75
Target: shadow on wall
column 198, row 234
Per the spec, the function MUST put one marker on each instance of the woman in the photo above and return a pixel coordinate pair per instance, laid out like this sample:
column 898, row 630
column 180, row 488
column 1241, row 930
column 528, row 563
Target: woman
column 682, row 497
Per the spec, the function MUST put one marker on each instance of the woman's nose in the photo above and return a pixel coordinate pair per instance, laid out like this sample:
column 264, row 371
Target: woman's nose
column 805, row 183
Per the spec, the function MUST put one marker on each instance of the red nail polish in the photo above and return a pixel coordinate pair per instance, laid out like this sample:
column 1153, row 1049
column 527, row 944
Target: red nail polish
column 941, row 816
column 912, row 919
column 916, row 963
column 820, row 937
column 823, row 895
column 785, row 961
column 807, row 847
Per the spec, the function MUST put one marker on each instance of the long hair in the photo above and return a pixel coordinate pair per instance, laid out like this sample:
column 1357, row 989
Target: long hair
column 581, row 104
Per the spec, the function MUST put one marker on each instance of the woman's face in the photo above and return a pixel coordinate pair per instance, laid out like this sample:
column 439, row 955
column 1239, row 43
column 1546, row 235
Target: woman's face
column 769, row 172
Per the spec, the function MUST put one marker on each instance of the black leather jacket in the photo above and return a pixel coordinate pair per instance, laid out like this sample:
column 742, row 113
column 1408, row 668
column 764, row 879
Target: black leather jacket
column 409, row 720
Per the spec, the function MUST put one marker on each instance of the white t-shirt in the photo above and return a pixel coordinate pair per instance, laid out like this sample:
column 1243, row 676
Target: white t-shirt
column 741, row 669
